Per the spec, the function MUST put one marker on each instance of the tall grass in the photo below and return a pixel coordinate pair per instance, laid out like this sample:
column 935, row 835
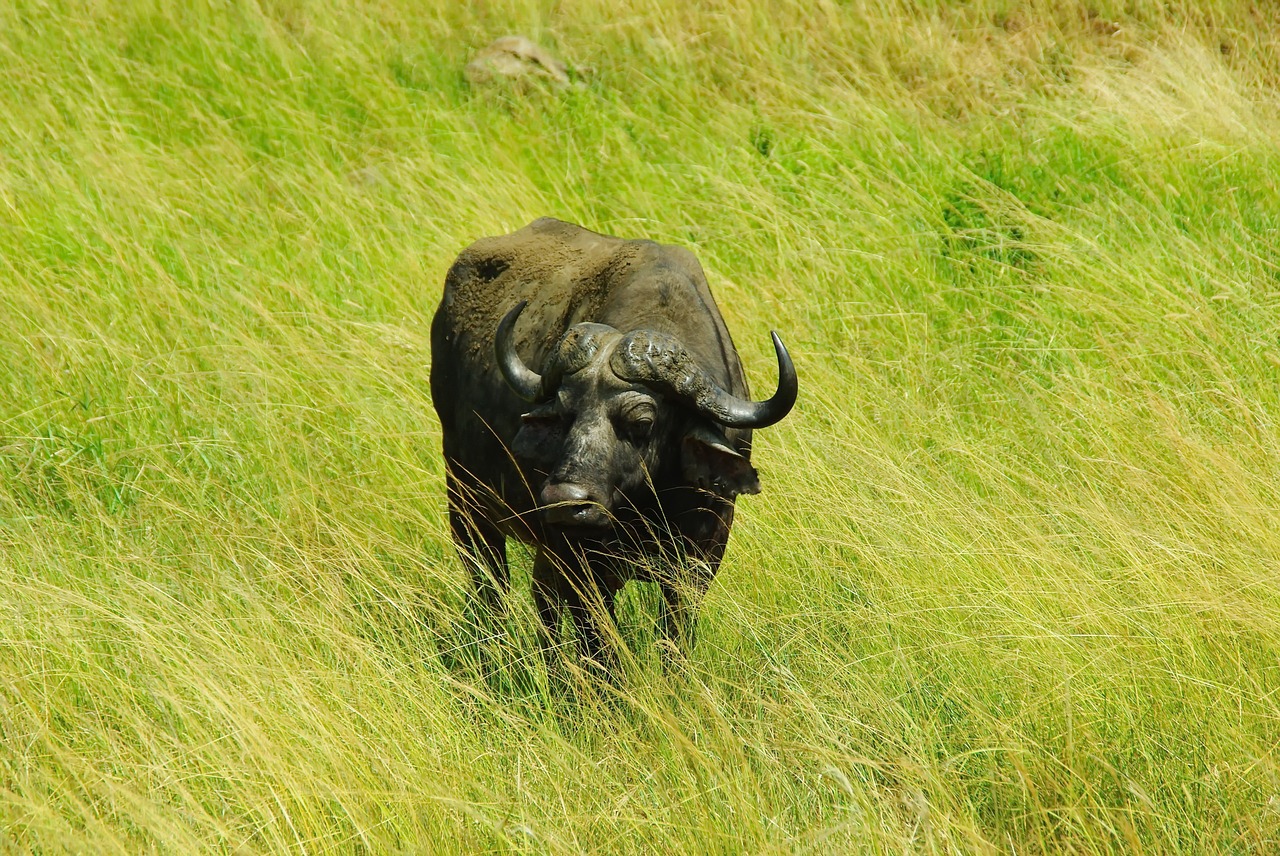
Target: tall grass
column 1013, row 584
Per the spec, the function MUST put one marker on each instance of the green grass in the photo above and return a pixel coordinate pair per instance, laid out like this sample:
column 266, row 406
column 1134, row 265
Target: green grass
column 1013, row 585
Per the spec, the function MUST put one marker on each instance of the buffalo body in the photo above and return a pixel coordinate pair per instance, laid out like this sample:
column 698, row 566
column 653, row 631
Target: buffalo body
column 592, row 405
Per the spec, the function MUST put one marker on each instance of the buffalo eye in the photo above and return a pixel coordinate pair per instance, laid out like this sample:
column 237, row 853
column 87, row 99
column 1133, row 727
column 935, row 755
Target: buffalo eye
column 637, row 419
column 641, row 428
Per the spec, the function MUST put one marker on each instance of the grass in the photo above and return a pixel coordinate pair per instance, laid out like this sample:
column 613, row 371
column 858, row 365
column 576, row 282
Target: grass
column 1011, row 587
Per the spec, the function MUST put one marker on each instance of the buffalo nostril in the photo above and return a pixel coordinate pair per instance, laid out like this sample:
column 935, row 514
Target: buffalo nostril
column 561, row 492
column 567, row 504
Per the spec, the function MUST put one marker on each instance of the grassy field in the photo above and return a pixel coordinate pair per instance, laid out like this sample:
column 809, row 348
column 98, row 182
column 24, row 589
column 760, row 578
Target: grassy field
column 1013, row 585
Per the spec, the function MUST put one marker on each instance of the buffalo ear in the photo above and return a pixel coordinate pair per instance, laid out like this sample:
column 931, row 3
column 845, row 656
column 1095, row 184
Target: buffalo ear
column 541, row 436
column 710, row 463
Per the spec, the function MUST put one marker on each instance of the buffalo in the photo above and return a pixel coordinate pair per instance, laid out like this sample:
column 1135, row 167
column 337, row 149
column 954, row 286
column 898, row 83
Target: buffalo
column 592, row 405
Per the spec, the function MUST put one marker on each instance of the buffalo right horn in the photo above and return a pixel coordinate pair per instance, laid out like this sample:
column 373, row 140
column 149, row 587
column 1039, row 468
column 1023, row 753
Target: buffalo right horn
column 523, row 380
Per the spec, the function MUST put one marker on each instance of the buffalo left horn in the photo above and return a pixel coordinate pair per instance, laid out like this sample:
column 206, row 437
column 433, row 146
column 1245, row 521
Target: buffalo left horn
column 660, row 359
column 734, row 412
column 523, row 380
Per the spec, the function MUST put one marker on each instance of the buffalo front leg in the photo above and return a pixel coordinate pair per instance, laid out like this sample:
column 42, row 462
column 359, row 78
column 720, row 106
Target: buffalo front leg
column 481, row 546
column 679, row 619
column 705, row 532
column 591, row 609
column 547, row 599
column 549, row 603
column 560, row 587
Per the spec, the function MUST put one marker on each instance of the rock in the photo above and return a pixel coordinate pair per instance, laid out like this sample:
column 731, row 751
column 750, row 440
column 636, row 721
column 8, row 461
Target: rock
column 369, row 176
column 515, row 58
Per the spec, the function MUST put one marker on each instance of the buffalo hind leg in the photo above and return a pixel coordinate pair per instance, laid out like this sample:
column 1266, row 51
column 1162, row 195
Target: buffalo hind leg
column 481, row 546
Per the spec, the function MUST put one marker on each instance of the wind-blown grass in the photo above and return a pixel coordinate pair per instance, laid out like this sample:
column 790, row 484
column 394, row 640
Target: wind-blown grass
column 1013, row 584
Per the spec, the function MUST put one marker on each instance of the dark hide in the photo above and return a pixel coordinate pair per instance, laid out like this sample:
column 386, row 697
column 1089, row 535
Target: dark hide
column 621, row 468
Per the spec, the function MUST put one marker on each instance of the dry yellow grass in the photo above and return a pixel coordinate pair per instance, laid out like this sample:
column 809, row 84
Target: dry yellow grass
column 1013, row 584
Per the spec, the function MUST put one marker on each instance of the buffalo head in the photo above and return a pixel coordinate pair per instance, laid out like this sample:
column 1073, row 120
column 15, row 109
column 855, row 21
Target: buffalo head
column 616, row 411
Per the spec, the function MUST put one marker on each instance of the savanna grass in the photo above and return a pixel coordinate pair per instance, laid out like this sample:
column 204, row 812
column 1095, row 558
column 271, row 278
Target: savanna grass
column 1013, row 584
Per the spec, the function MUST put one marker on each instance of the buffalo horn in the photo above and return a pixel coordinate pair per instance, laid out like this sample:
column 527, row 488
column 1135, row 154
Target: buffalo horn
column 660, row 359
column 734, row 412
column 526, row 382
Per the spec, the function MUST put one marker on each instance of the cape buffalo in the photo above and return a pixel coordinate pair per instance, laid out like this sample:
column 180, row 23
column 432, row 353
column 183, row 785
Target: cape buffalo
column 593, row 406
